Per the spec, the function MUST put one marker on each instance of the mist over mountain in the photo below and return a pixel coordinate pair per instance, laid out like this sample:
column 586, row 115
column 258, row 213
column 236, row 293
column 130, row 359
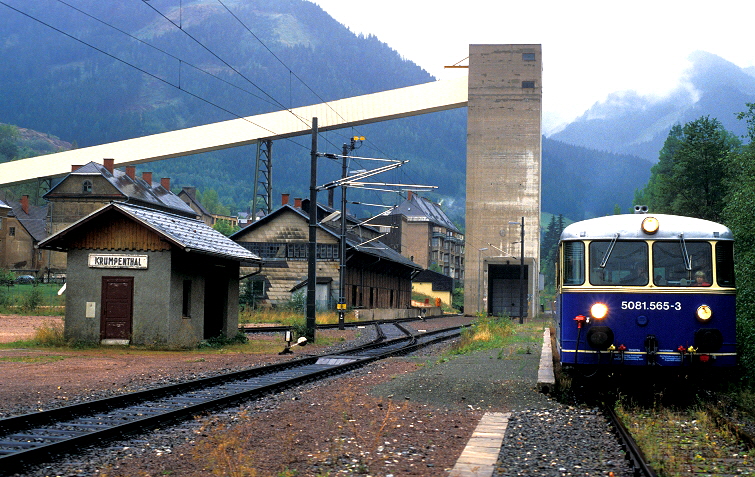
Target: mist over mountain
column 627, row 123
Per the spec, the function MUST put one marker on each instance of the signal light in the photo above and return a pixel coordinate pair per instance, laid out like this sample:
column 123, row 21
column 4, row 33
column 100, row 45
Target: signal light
column 650, row 225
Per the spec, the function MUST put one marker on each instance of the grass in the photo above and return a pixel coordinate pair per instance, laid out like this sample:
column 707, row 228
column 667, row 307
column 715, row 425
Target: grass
column 491, row 332
column 41, row 299
column 673, row 441
column 290, row 318
column 32, row 359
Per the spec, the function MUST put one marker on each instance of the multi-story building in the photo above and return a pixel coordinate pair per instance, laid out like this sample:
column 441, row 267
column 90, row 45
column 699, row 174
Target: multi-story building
column 92, row 186
column 22, row 227
column 375, row 276
column 419, row 230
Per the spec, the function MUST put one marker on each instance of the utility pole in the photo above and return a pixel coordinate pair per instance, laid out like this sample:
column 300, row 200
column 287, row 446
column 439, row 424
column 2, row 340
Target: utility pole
column 312, row 255
column 521, row 275
column 342, row 253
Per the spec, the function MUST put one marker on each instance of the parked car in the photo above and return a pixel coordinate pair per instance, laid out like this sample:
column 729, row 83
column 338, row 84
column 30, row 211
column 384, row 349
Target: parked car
column 26, row 279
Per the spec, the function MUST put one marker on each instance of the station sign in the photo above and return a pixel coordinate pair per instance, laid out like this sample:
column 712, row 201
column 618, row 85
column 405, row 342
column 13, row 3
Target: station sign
column 108, row 260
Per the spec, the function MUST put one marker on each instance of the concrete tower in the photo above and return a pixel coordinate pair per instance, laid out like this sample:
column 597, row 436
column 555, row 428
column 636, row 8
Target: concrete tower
column 503, row 179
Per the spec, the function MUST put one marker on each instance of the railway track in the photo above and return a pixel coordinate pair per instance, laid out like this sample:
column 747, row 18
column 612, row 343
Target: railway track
column 39, row 437
column 250, row 328
column 685, row 443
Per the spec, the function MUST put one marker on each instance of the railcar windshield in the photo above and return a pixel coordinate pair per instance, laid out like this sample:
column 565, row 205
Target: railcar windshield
column 682, row 264
column 624, row 264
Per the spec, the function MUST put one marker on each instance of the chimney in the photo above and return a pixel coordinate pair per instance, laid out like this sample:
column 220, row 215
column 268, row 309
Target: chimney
column 147, row 176
column 25, row 204
column 165, row 182
column 409, row 195
column 284, row 199
column 297, row 202
column 109, row 164
column 75, row 167
column 131, row 171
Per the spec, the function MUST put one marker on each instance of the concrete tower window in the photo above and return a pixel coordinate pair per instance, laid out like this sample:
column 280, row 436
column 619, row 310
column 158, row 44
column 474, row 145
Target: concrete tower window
column 528, row 57
column 528, row 84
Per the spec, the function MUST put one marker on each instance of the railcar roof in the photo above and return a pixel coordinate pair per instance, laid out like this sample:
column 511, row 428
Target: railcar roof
column 628, row 226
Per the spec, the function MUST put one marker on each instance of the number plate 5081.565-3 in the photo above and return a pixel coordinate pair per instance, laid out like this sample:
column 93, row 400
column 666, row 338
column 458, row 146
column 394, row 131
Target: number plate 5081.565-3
column 651, row 305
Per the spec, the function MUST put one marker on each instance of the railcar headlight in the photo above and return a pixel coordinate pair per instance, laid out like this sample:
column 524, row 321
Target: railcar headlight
column 599, row 311
column 704, row 313
column 650, row 225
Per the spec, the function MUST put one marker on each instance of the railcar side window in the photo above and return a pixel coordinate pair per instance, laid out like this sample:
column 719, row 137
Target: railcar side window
column 682, row 264
column 725, row 264
column 626, row 264
column 574, row 263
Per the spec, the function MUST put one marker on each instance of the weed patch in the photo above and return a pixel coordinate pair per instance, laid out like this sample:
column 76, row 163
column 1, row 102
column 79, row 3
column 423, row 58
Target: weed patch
column 50, row 334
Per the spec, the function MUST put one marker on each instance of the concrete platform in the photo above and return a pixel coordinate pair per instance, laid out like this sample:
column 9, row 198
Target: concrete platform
column 479, row 457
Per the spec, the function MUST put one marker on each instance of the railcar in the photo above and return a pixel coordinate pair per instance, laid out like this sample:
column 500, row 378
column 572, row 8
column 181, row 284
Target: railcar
column 646, row 290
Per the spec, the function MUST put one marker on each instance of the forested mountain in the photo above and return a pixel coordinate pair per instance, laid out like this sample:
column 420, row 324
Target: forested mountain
column 116, row 87
column 54, row 84
column 627, row 123
column 582, row 183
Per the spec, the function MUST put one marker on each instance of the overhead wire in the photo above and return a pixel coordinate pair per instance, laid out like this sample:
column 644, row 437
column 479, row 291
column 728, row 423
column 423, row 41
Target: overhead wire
column 272, row 100
column 154, row 76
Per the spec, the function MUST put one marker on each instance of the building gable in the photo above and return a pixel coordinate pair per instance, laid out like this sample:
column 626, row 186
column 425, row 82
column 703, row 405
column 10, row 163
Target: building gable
column 117, row 233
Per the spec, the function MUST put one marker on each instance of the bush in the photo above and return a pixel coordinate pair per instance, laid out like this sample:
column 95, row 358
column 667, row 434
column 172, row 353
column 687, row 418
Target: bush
column 50, row 334
column 32, row 300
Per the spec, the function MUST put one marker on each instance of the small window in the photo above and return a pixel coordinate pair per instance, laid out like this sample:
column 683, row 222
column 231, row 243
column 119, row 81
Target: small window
column 528, row 57
column 186, row 302
column 574, row 263
column 86, row 187
column 12, row 231
column 528, row 84
column 725, row 264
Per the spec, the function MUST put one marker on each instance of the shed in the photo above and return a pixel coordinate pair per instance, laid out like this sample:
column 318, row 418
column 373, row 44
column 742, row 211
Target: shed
column 149, row 277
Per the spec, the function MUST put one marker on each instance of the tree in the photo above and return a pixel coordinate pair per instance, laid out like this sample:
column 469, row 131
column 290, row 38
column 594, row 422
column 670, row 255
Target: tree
column 691, row 177
column 738, row 216
column 549, row 248
column 225, row 227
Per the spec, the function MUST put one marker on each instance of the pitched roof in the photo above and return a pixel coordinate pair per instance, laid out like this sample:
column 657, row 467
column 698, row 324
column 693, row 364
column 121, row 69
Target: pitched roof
column 34, row 221
column 136, row 189
column 353, row 241
column 421, row 209
column 186, row 233
column 191, row 193
column 3, row 205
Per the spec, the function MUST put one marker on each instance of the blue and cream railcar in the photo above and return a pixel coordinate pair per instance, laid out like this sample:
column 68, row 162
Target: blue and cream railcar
column 646, row 290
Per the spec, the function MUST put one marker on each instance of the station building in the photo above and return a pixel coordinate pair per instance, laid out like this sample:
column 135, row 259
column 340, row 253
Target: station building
column 138, row 275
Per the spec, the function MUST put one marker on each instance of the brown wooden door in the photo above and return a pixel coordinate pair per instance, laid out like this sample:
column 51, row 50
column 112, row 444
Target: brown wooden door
column 117, row 307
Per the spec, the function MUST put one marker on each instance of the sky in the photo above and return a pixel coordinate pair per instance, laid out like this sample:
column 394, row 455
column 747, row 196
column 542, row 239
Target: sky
column 590, row 48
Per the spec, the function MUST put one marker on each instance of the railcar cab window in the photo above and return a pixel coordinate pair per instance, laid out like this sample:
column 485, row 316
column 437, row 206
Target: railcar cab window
column 574, row 263
column 725, row 264
column 617, row 263
column 678, row 264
